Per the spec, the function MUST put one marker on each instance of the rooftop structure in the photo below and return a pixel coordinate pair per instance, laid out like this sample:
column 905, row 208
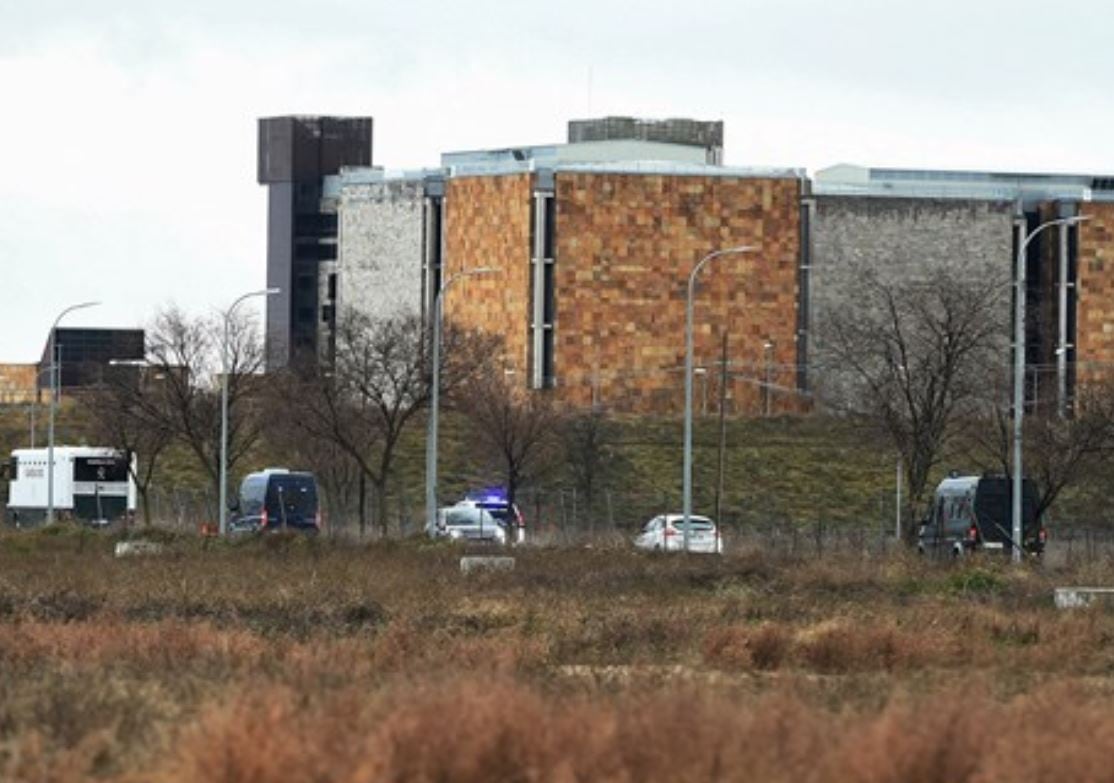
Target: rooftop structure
column 618, row 157
column 1027, row 188
column 704, row 136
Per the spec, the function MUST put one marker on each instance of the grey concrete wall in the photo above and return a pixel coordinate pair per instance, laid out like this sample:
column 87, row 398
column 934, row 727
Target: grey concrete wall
column 280, row 273
column 900, row 239
column 379, row 259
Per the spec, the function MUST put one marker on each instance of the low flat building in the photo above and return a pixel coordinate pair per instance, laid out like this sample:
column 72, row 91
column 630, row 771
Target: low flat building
column 85, row 354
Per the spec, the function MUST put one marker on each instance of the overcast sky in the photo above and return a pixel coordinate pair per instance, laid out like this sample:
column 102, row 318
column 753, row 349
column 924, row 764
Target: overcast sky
column 127, row 134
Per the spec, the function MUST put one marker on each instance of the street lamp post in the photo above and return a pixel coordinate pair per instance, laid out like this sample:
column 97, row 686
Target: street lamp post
column 767, row 348
column 54, row 381
column 687, row 479
column 223, row 489
column 1019, row 372
column 34, row 400
column 435, row 396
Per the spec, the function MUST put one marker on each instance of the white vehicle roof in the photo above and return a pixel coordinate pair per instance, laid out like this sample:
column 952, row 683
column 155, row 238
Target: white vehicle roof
column 956, row 484
column 675, row 518
column 60, row 452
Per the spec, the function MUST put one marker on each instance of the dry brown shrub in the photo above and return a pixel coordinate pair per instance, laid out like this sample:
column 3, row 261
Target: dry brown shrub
column 26, row 759
column 769, row 646
column 942, row 739
column 471, row 732
column 1076, row 642
column 407, row 648
column 494, row 729
column 163, row 644
column 465, row 732
column 727, row 647
column 837, row 647
column 763, row 647
column 1058, row 734
column 269, row 734
column 647, row 633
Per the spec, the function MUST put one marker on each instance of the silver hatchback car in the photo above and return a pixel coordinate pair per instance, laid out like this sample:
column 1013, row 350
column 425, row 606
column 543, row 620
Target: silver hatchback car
column 666, row 533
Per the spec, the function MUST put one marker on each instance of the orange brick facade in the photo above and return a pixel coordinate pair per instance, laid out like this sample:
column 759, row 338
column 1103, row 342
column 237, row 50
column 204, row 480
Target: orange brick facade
column 1095, row 291
column 625, row 246
column 487, row 224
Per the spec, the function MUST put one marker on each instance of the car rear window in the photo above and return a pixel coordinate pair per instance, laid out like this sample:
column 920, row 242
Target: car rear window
column 499, row 512
column 695, row 523
column 469, row 515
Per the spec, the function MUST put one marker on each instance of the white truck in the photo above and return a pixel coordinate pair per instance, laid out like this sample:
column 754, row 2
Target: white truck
column 92, row 484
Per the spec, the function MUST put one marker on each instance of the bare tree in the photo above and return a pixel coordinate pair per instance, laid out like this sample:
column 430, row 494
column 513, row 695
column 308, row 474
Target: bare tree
column 1058, row 452
column 518, row 425
column 591, row 456
column 186, row 352
column 378, row 383
column 913, row 354
column 127, row 413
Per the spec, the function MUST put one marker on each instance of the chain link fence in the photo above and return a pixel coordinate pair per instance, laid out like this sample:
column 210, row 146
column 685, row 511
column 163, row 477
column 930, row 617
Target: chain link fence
column 564, row 517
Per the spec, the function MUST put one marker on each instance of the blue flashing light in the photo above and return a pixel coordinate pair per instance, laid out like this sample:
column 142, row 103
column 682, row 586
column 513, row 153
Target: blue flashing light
column 488, row 496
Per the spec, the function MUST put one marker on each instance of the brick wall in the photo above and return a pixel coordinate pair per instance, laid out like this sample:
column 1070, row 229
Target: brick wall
column 487, row 224
column 625, row 246
column 17, row 383
column 1095, row 313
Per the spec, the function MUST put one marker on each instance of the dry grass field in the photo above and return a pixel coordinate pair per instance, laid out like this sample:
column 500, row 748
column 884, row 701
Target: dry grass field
column 286, row 659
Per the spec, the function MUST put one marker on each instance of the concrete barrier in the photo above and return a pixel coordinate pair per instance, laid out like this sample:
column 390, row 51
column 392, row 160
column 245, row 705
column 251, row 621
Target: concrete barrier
column 1080, row 597
column 137, row 548
column 470, row 564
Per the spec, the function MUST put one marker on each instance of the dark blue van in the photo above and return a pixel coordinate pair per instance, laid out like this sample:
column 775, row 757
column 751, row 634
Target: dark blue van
column 277, row 499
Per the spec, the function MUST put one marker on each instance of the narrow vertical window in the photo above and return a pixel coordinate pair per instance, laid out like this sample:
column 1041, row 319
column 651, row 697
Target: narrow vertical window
column 542, row 316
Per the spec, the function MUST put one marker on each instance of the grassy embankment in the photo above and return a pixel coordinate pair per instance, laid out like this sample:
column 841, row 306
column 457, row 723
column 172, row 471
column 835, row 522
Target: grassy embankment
column 776, row 470
column 795, row 470
column 290, row 659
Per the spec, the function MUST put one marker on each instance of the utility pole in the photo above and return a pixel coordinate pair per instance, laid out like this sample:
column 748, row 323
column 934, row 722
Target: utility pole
column 55, row 382
column 686, row 458
column 767, row 347
column 897, row 503
column 222, row 491
column 722, row 431
column 1021, row 291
